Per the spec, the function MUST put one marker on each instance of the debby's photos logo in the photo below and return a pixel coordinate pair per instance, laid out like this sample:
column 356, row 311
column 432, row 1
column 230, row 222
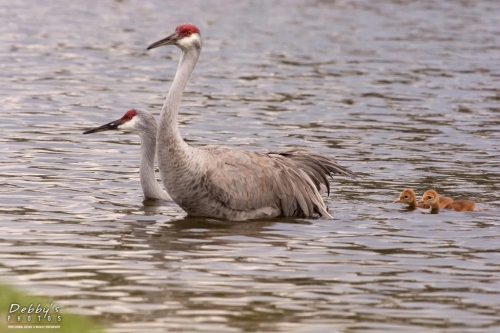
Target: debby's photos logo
column 33, row 314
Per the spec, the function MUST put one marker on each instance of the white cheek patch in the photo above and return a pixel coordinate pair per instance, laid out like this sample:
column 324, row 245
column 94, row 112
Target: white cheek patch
column 187, row 41
column 128, row 126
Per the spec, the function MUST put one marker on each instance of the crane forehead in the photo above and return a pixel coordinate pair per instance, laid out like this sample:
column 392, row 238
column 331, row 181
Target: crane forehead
column 129, row 114
column 186, row 28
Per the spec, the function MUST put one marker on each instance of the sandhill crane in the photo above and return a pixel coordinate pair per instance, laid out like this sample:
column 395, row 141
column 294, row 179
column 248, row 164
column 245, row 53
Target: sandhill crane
column 431, row 198
column 220, row 182
column 143, row 123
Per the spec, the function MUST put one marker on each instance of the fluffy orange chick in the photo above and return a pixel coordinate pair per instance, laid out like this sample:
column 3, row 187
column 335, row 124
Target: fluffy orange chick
column 431, row 198
column 462, row 206
column 409, row 197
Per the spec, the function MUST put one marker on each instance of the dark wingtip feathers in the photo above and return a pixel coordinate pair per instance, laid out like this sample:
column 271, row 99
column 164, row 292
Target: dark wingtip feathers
column 318, row 166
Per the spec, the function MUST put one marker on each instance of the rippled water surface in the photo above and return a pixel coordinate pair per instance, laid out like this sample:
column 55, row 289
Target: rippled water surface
column 406, row 93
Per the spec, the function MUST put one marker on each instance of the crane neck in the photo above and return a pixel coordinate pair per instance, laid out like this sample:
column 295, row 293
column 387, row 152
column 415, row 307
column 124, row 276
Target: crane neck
column 174, row 155
column 168, row 133
column 150, row 186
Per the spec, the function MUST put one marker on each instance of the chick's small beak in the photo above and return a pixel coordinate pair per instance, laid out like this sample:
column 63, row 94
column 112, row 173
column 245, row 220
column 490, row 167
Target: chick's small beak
column 397, row 200
column 420, row 201
column 109, row 126
column 170, row 40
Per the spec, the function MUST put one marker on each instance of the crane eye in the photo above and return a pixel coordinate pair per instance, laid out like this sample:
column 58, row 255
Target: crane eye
column 429, row 197
column 189, row 33
column 406, row 197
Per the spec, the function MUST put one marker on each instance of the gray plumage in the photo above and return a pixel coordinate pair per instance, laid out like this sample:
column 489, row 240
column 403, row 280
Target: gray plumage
column 147, row 132
column 221, row 182
column 142, row 123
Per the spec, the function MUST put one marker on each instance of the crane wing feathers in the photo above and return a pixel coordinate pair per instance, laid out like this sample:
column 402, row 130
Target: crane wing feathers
column 318, row 160
column 286, row 180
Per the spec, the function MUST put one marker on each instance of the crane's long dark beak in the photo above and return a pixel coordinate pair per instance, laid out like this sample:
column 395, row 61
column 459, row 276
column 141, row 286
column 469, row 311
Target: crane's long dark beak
column 170, row 40
column 109, row 126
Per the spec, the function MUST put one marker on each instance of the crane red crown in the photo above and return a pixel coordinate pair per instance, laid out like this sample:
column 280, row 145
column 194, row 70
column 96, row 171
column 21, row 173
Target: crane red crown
column 129, row 115
column 186, row 29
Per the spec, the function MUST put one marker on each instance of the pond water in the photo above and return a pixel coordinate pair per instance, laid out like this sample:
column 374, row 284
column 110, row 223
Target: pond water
column 405, row 93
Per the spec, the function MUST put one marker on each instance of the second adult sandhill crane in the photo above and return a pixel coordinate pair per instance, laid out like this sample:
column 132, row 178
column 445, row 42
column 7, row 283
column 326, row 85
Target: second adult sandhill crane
column 220, row 182
column 142, row 123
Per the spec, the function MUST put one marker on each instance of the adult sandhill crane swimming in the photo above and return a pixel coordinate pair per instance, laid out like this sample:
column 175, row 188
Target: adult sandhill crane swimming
column 220, row 182
column 143, row 123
